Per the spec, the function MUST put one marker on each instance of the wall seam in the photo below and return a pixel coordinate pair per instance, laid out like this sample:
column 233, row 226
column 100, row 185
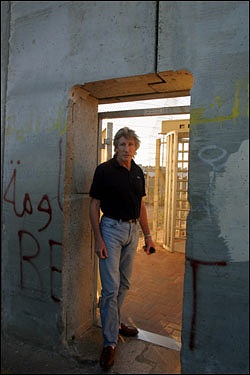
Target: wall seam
column 4, row 85
column 156, row 35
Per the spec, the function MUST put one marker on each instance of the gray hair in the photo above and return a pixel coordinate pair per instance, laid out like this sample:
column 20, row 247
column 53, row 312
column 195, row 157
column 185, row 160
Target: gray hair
column 126, row 133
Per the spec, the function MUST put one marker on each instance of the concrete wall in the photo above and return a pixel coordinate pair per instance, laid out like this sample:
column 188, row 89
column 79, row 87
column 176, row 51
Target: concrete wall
column 47, row 48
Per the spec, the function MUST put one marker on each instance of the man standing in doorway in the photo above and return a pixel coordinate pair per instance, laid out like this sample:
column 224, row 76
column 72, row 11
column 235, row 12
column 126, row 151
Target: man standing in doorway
column 117, row 190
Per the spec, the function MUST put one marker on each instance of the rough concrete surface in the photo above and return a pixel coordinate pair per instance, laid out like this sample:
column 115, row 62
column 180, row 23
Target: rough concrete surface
column 133, row 356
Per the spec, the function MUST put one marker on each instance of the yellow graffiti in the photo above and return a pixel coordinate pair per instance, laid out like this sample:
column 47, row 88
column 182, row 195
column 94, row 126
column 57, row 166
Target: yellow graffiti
column 236, row 107
column 35, row 128
column 59, row 125
column 217, row 102
column 198, row 114
column 19, row 133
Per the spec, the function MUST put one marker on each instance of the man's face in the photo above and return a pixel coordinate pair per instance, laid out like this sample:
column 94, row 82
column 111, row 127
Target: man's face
column 126, row 149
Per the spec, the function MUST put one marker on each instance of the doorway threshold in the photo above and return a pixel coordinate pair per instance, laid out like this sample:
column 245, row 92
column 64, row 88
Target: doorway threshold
column 160, row 340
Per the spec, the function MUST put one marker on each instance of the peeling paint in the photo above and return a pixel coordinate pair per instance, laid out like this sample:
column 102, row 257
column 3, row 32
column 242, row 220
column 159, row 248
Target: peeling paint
column 230, row 197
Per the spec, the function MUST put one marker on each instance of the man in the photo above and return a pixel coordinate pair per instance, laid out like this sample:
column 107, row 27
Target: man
column 117, row 190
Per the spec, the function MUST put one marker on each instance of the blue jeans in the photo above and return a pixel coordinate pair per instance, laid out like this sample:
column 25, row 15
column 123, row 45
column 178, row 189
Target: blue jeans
column 121, row 240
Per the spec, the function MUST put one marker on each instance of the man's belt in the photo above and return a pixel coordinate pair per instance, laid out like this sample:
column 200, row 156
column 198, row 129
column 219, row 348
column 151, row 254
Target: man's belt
column 122, row 220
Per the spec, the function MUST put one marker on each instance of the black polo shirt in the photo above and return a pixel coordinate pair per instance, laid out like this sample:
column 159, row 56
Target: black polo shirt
column 119, row 190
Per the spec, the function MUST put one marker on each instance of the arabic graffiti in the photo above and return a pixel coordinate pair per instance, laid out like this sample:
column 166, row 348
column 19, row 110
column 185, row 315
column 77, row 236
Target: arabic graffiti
column 26, row 236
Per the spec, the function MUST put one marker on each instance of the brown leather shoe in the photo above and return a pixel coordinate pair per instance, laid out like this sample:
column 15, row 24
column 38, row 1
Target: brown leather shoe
column 107, row 357
column 128, row 330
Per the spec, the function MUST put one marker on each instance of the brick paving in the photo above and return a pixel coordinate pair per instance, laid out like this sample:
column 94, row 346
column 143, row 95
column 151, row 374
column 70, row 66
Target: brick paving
column 154, row 301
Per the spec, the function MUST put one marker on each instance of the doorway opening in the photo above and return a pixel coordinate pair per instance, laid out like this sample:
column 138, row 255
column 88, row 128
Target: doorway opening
column 163, row 157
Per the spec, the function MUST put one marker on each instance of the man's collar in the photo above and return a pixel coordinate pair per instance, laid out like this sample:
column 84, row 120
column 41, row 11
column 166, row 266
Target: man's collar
column 116, row 164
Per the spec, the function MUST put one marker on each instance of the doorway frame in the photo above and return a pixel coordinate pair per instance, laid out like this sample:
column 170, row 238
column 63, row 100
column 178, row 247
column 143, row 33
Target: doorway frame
column 79, row 265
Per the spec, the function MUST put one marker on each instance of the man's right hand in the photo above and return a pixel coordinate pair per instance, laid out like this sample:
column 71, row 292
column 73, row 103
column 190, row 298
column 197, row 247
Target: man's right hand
column 101, row 250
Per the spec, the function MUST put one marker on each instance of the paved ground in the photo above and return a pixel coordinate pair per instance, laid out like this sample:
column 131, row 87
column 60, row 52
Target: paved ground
column 154, row 305
column 154, row 302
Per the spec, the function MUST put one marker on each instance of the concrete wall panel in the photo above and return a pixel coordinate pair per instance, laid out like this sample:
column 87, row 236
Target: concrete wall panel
column 72, row 42
column 211, row 41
